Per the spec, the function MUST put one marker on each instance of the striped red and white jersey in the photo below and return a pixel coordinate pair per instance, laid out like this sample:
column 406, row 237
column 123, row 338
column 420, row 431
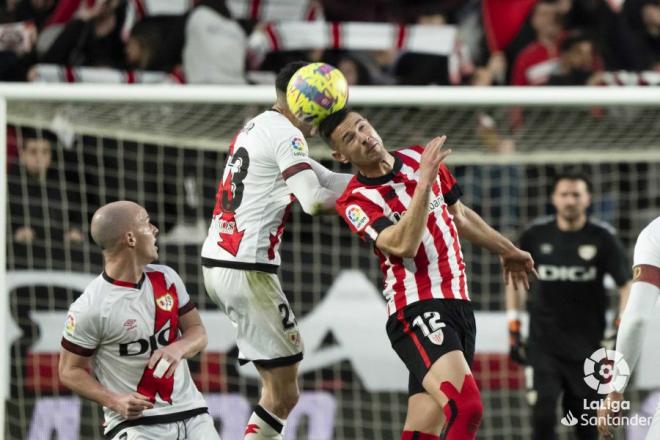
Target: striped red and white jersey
column 370, row 205
column 253, row 200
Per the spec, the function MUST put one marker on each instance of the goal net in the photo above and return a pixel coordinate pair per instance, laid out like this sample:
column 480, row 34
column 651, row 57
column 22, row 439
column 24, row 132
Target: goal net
column 72, row 149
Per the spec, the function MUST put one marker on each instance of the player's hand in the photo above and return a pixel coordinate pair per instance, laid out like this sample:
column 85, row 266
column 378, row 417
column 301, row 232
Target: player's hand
column 130, row 406
column 517, row 351
column 430, row 161
column 517, row 265
column 605, row 411
column 172, row 354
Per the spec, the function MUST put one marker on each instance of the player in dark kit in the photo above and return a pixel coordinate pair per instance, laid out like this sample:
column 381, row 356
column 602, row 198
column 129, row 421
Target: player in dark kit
column 567, row 304
column 407, row 204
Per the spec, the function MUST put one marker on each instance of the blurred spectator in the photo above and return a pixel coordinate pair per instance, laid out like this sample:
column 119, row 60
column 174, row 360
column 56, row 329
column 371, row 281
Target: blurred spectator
column 354, row 71
column 215, row 49
column 364, row 10
column 42, row 209
column 16, row 50
column 91, row 39
column 644, row 19
column 352, row 65
column 36, row 11
column 576, row 62
column 534, row 64
column 419, row 69
column 493, row 73
column 155, row 43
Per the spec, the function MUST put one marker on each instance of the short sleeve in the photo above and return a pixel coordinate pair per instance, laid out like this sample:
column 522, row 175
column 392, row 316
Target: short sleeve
column 292, row 154
column 618, row 265
column 81, row 333
column 364, row 217
column 185, row 304
column 647, row 246
column 451, row 192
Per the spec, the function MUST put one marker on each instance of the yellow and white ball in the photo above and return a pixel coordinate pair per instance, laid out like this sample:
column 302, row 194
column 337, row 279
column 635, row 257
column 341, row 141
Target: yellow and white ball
column 315, row 91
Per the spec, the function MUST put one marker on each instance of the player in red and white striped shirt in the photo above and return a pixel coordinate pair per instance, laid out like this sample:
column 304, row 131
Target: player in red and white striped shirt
column 407, row 204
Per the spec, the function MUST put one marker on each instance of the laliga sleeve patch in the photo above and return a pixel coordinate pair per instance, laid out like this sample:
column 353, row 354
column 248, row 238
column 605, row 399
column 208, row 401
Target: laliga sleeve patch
column 357, row 217
column 298, row 146
column 70, row 324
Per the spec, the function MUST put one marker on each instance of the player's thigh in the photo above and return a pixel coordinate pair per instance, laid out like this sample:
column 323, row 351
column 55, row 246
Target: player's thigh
column 451, row 367
column 201, row 427
column 266, row 327
column 279, row 380
column 424, row 414
column 424, row 333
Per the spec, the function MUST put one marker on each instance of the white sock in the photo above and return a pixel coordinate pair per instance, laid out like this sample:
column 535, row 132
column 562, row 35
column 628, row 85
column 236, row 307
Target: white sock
column 264, row 425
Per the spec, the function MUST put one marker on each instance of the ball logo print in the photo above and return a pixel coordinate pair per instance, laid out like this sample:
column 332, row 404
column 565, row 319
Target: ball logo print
column 606, row 371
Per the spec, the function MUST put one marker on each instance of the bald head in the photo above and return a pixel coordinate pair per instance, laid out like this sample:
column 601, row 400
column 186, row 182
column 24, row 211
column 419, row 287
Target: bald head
column 112, row 221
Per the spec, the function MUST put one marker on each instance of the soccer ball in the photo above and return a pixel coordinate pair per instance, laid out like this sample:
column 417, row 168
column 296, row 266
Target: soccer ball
column 315, row 91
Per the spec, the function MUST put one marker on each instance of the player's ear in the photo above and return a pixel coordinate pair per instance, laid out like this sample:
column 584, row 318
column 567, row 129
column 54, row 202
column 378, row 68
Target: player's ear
column 336, row 155
column 130, row 239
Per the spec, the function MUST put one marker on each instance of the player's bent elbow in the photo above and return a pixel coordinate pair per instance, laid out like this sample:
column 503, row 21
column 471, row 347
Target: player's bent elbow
column 403, row 251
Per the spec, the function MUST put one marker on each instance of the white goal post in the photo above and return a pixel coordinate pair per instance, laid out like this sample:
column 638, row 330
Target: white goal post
column 615, row 130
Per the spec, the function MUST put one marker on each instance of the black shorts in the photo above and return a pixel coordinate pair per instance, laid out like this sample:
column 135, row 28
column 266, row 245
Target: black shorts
column 424, row 331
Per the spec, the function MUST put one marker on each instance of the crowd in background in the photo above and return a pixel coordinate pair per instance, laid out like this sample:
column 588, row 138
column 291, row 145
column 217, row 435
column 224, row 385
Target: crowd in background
column 497, row 42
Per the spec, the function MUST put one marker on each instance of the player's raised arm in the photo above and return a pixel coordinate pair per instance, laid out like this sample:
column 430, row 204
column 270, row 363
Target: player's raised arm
column 403, row 239
column 335, row 182
column 516, row 264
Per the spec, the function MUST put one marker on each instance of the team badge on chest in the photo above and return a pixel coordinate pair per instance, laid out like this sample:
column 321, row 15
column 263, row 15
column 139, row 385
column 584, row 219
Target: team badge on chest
column 165, row 302
column 587, row 251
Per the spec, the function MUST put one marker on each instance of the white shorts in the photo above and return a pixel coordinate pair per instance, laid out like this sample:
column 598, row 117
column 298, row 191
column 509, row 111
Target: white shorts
column 266, row 328
column 195, row 428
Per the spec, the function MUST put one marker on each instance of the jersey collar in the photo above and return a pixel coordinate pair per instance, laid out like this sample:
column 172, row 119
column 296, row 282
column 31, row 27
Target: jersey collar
column 123, row 283
column 380, row 180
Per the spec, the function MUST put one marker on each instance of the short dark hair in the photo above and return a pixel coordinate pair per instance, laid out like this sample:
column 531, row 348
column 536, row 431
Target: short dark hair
column 330, row 123
column 572, row 39
column 285, row 74
column 572, row 175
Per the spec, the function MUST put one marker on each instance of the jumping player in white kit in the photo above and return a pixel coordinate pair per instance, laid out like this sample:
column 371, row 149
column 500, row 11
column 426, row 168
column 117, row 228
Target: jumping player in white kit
column 644, row 295
column 267, row 169
column 135, row 326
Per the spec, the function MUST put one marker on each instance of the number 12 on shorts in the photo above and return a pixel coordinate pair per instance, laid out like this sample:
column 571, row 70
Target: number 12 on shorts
column 431, row 326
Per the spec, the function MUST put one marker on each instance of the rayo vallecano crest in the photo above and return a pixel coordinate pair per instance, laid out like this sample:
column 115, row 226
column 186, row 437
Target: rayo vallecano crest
column 165, row 302
column 587, row 251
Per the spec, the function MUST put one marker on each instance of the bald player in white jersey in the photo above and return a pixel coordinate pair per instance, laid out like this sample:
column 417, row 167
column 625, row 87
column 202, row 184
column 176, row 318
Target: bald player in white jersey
column 268, row 168
column 134, row 326
column 644, row 295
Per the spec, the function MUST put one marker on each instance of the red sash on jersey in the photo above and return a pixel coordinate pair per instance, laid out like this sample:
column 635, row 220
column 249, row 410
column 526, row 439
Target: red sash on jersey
column 167, row 311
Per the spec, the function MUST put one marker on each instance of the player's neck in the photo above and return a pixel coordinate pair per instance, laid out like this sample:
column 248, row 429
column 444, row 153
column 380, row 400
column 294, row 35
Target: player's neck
column 123, row 269
column 568, row 225
column 380, row 168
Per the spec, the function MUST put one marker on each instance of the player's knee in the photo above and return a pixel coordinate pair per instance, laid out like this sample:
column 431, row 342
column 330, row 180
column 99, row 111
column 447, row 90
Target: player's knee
column 464, row 410
column 285, row 401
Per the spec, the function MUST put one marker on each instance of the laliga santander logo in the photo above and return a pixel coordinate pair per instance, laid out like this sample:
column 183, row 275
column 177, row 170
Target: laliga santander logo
column 297, row 144
column 606, row 371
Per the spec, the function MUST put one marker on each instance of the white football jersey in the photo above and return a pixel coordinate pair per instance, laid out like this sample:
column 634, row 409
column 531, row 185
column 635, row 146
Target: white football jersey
column 253, row 200
column 647, row 248
column 121, row 324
